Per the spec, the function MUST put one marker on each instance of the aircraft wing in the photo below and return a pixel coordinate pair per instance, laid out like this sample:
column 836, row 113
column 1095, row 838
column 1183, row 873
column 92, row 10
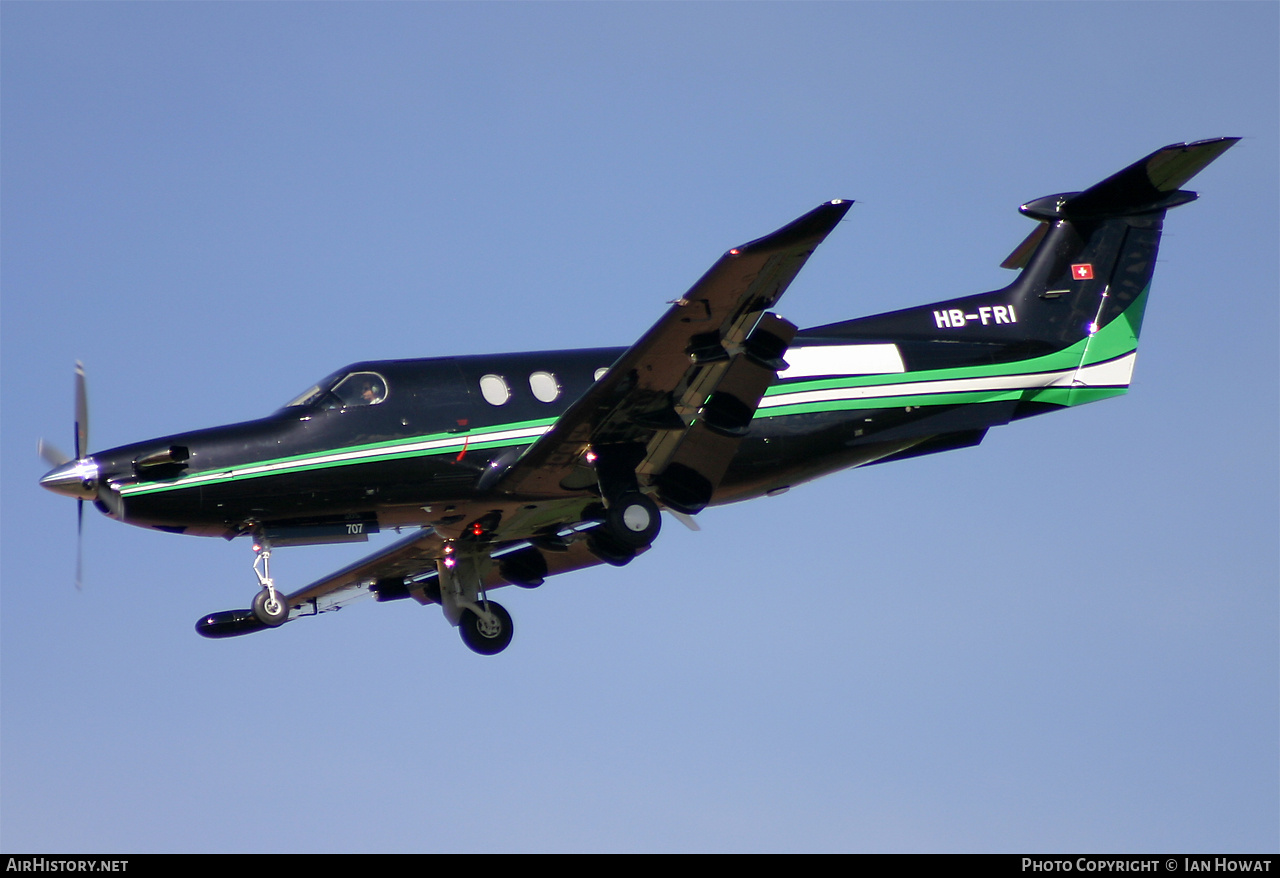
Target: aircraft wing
column 670, row 412
column 411, row 556
column 407, row 568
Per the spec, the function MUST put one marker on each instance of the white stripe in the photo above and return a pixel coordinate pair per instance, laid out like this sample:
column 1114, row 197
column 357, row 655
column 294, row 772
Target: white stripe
column 842, row 359
column 1114, row 373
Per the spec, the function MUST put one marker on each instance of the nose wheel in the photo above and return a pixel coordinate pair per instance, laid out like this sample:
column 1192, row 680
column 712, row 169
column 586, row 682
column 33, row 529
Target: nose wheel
column 270, row 608
column 487, row 636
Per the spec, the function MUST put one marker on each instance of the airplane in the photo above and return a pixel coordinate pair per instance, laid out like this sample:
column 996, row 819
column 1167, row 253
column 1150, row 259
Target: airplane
column 512, row 468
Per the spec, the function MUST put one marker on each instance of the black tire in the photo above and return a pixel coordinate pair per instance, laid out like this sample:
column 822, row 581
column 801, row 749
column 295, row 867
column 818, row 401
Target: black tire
column 274, row 615
column 486, row 640
column 633, row 520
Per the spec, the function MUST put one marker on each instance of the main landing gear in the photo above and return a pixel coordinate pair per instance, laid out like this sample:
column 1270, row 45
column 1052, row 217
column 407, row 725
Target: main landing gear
column 633, row 520
column 487, row 636
column 485, row 625
column 631, row 523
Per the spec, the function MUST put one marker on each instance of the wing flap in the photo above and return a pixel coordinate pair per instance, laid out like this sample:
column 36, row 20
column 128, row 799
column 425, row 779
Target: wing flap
column 686, row 468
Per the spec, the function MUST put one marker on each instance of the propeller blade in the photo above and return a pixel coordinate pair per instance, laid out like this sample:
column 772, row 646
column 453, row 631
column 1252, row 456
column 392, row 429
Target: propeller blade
column 687, row 520
column 51, row 453
column 54, row 456
column 79, row 544
column 82, row 413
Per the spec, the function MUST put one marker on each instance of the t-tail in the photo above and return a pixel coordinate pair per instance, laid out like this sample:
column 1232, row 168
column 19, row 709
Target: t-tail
column 1066, row 330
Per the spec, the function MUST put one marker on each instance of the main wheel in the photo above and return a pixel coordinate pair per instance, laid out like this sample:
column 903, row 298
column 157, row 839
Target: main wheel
column 270, row 612
column 633, row 520
column 486, row 637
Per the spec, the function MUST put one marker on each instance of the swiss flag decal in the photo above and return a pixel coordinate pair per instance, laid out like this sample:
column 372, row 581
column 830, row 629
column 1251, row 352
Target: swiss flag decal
column 1083, row 271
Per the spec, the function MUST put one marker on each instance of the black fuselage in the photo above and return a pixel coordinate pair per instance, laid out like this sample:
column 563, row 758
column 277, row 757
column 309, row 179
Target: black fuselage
column 435, row 435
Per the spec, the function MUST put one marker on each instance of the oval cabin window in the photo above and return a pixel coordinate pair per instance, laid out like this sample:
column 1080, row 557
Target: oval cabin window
column 545, row 387
column 494, row 389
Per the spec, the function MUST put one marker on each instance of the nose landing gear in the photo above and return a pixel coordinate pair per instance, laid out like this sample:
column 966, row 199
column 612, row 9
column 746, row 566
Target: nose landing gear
column 269, row 605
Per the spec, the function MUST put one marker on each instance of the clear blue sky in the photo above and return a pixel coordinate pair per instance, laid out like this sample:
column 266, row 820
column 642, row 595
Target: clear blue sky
column 1065, row 639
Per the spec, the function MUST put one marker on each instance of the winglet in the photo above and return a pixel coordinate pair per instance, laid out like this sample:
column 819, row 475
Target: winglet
column 813, row 226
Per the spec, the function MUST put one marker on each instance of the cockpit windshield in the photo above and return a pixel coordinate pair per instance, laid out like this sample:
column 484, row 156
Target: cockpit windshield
column 308, row 396
column 343, row 390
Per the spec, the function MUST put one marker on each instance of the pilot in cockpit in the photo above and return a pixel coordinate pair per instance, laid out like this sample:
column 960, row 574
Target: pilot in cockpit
column 370, row 392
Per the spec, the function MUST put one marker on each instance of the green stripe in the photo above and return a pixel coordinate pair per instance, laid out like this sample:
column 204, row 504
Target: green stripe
column 396, row 449
column 881, row 402
column 1117, row 338
column 1064, row 396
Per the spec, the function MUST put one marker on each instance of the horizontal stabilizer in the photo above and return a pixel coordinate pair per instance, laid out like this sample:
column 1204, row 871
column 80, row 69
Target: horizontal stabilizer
column 1147, row 185
column 1152, row 183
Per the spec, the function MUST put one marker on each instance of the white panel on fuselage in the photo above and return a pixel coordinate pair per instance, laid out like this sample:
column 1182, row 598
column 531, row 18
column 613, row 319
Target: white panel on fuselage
column 841, row 359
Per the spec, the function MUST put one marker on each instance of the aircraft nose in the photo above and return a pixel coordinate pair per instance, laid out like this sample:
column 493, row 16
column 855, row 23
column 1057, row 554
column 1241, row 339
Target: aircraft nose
column 75, row 478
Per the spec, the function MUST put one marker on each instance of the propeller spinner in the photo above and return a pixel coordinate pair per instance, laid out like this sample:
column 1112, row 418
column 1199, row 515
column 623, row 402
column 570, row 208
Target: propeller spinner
column 79, row 477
